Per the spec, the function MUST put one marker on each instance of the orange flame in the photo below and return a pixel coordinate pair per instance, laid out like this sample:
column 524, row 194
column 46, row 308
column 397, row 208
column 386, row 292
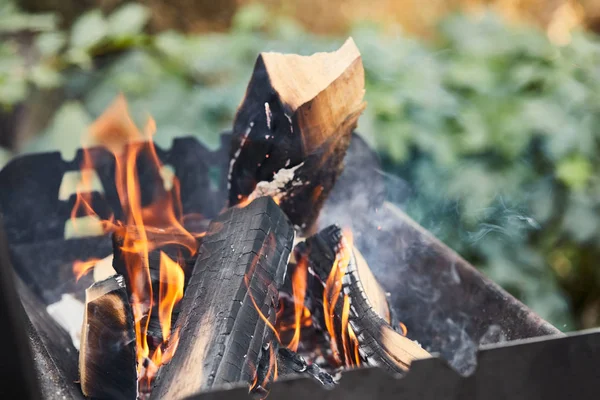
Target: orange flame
column 299, row 293
column 144, row 227
column 80, row 268
column 331, row 295
column 403, row 328
column 247, row 277
column 333, row 289
column 170, row 292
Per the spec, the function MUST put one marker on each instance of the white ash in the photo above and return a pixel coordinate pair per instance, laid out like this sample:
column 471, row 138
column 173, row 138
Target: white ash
column 277, row 187
column 291, row 124
column 268, row 115
column 237, row 154
column 68, row 313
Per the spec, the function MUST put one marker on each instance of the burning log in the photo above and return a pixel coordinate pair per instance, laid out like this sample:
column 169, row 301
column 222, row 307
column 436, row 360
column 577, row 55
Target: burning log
column 228, row 311
column 293, row 128
column 358, row 310
column 107, row 357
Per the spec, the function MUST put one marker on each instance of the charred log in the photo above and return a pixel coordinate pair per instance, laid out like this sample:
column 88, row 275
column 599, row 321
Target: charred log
column 229, row 309
column 290, row 363
column 293, row 128
column 107, row 356
column 380, row 338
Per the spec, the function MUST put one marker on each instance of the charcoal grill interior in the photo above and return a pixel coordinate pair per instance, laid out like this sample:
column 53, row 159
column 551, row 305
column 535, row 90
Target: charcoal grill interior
column 447, row 305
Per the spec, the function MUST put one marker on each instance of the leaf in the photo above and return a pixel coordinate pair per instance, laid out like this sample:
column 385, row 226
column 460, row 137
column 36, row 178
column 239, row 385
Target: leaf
column 250, row 18
column 45, row 77
column 89, row 30
column 12, row 20
column 5, row 157
column 50, row 43
column 128, row 20
column 65, row 132
column 574, row 171
column 13, row 90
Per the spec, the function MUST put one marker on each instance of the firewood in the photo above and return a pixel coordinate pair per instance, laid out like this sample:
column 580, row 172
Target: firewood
column 370, row 316
column 293, row 128
column 291, row 363
column 107, row 356
column 228, row 311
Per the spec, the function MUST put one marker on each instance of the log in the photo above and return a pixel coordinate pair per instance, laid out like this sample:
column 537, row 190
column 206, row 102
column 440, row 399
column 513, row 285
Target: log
column 107, row 355
column 291, row 363
column 381, row 341
column 228, row 311
column 292, row 130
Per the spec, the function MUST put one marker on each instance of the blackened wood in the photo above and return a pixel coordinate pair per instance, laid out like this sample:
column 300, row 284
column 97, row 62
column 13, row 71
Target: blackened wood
column 107, row 356
column 298, row 112
column 379, row 343
column 291, row 363
column 241, row 266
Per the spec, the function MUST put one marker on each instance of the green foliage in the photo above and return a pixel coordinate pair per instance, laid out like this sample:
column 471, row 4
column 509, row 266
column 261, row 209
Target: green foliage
column 494, row 129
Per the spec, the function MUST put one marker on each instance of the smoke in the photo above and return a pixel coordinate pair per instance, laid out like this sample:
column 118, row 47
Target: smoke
column 461, row 350
column 437, row 296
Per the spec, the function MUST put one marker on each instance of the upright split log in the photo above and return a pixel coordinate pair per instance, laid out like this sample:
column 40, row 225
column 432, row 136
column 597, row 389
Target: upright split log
column 369, row 314
column 298, row 116
column 107, row 355
column 230, row 303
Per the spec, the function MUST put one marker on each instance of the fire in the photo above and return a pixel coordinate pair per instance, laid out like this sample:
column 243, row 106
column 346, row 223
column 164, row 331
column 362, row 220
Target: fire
column 248, row 277
column 332, row 291
column 299, row 292
column 331, row 295
column 80, row 268
column 171, row 292
column 161, row 219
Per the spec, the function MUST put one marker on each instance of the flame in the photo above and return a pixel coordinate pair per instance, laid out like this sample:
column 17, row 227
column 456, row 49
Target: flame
column 247, row 276
column 144, row 227
column 333, row 289
column 403, row 328
column 170, row 293
column 272, row 371
column 80, row 268
column 299, row 292
column 331, row 295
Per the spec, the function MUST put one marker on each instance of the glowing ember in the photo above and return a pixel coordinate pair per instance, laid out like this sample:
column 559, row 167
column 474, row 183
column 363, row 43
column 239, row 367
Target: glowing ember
column 162, row 219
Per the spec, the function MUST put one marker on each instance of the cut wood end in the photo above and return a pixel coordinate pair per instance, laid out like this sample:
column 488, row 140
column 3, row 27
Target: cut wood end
column 298, row 79
column 401, row 350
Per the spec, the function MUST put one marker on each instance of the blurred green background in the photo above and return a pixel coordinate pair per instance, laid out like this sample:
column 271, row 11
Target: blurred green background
column 488, row 125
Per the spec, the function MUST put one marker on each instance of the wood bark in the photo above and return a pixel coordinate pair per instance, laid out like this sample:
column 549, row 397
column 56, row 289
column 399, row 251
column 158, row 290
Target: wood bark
column 107, row 355
column 298, row 114
column 229, row 308
column 381, row 342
